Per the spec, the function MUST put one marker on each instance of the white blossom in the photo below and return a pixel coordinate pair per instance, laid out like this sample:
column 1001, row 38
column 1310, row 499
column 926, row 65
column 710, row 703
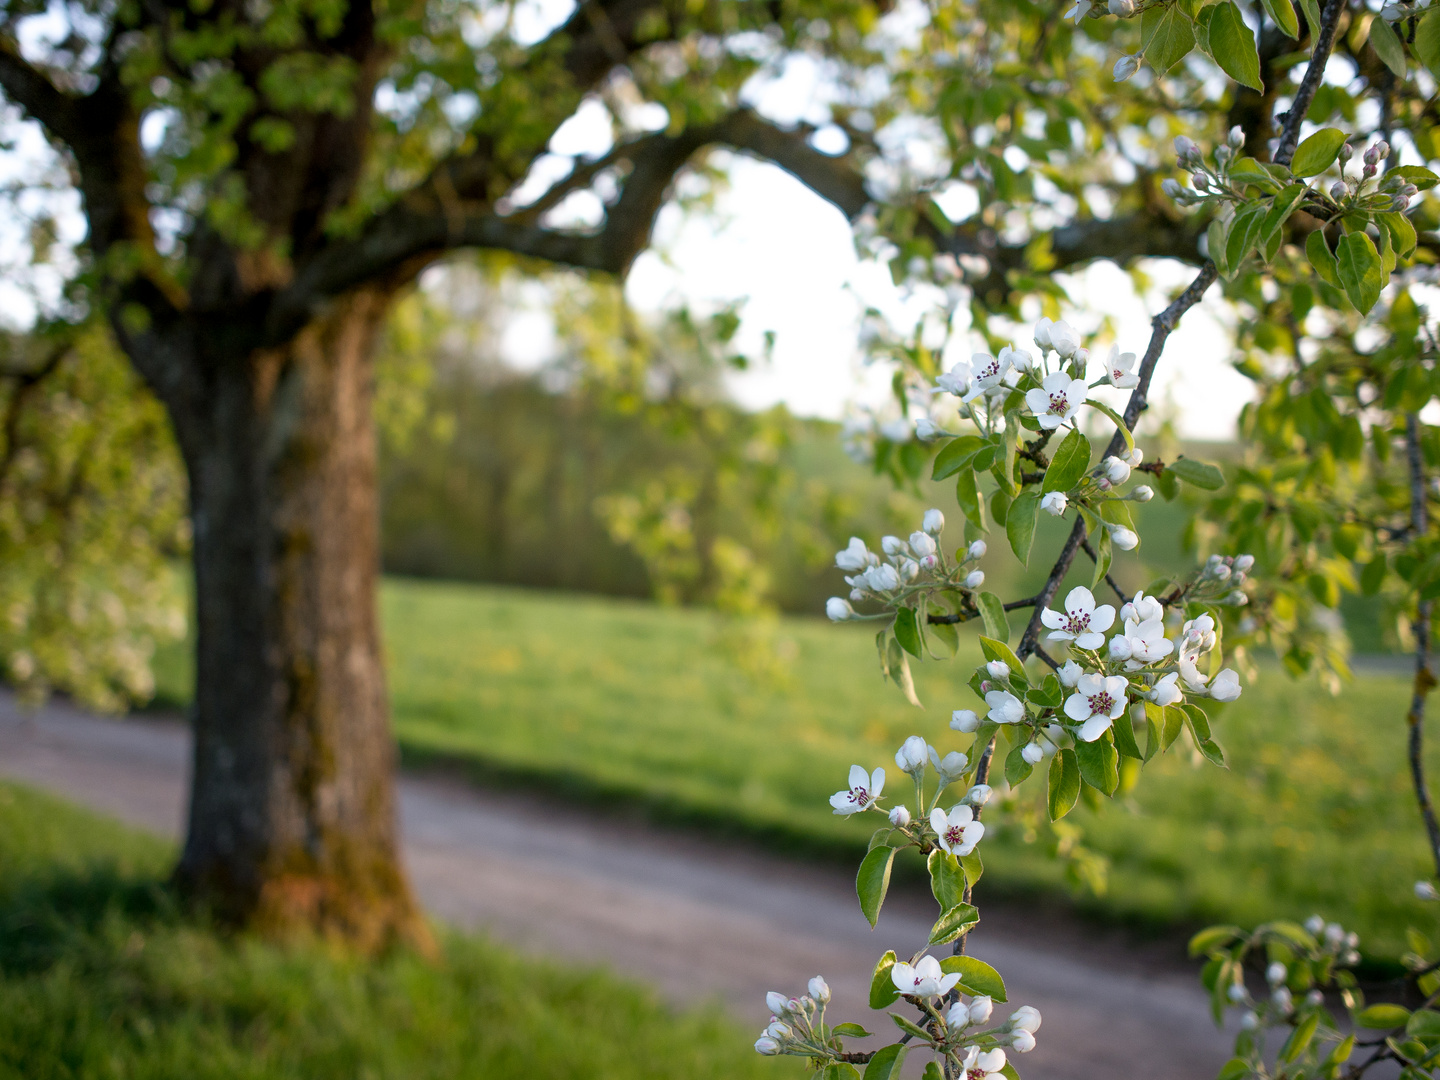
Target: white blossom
column 900, row 816
column 1142, row 643
column 933, row 522
column 914, row 752
column 1126, row 66
column 976, row 550
column 965, row 720
column 1005, row 707
column 882, row 578
column 1166, row 692
column 1115, row 470
column 1096, row 703
column 1226, row 686
column 1119, row 368
column 1033, row 753
column 951, row 766
column 989, row 373
column 924, row 979
column 983, row 1064
column 1081, row 621
column 1142, row 609
column 864, row 789
column 974, row 579
column 1123, row 538
column 957, row 832
column 855, row 557
column 956, row 381
column 1054, row 502
column 839, row 610
column 1070, row 673
column 1058, row 397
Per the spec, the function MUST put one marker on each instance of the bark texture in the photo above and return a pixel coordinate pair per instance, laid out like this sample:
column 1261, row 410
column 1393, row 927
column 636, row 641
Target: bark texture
column 292, row 820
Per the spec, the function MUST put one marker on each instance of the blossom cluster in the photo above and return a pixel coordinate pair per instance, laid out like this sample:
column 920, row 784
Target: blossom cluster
column 956, row 831
column 919, row 560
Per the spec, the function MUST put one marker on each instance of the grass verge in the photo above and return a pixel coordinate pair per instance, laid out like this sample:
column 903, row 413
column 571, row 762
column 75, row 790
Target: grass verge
column 102, row 976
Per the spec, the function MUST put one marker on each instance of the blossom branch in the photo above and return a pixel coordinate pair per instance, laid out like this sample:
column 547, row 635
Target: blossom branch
column 1310, row 84
column 1424, row 677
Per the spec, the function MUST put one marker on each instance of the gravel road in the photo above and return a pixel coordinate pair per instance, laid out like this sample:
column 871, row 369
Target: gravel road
column 696, row 918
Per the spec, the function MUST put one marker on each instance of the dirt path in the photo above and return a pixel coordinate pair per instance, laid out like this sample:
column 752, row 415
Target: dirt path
column 695, row 918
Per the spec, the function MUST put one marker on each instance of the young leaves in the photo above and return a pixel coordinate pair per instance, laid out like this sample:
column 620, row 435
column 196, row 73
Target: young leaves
column 1168, row 36
column 992, row 611
column 976, row 976
column 1359, row 267
column 1322, row 258
column 882, row 986
column 1386, row 44
column 1070, row 463
column 886, row 1063
column 1318, row 152
column 1020, row 524
column 1198, row 473
column 1064, row 784
column 954, row 922
column 1283, row 12
column 1232, row 44
column 873, row 881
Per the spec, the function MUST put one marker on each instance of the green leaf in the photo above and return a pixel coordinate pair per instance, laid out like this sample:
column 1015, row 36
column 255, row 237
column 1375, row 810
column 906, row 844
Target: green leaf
column 1198, row 473
column 1418, row 175
column 1402, row 233
column 886, row 1063
column 1304, row 1031
column 1167, row 35
column 1116, row 419
column 1244, row 231
column 992, row 611
column 1427, row 40
column 968, row 496
column 947, row 879
column 1020, row 524
column 1064, row 784
column 1272, row 226
column 1212, row 937
column 1233, row 45
column 973, row 866
column 1317, row 153
column 873, row 881
column 1099, row 764
column 1359, row 268
column 1017, row 769
column 1283, row 14
column 1383, row 1016
column 882, row 986
column 954, row 922
column 840, row 1070
column 932, row 1071
column 1104, row 553
column 1125, row 738
column 907, row 632
column 995, row 649
column 1199, row 725
column 1423, row 1024
column 910, row 1028
column 955, row 455
column 1215, row 237
column 851, row 1031
column 1386, row 44
column 1312, row 16
column 976, row 976
column 1070, row 463
column 1321, row 258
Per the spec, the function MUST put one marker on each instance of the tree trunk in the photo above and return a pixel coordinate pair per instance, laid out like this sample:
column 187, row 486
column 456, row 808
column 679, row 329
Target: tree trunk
column 292, row 816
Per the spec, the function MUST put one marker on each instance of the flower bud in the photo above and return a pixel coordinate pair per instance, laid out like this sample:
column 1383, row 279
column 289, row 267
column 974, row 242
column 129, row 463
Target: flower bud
column 998, row 669
column 1125, row 67
column 912, row 755
column 1237, row 599
column 1022, row 1042
column 1314, row 998
column 965, row 720
column 1025, row 1018
column 900, row 817
column 1143, row 493
column 1171, row 187
column 778, row 1029
column 1236, row 992
column 1426, row 891
column 1282, row 999
column 922, row 544
column 1115, row 470
column 1200, row 181
column 1243, row 563
column 1276, row 973
column 893, row 545
column 1185, row 148
column 933, row 523
column 974, row 579
column 1236, row 137
column 1334, row 934
column 1123, row 538
column 1314, row 923
column 1223, row 154
column 839, row 610
column 1070, row 673
column 976, row 550
column 1346, row 153
column 1250, row 1021
column 777, row 1003
column 1054, row 503
column 951, row 766
column 1338, row 191
column 980, row 1010
column 1371, row 156
column 820, row 990
column 926, row 429
column 1032, row 753
column 978, row 795
column 1382, row 150
column 767, row 1046
column 1122, row 9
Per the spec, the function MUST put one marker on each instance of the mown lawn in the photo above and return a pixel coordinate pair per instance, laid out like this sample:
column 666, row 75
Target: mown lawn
column 622, row 701
column 101, row 976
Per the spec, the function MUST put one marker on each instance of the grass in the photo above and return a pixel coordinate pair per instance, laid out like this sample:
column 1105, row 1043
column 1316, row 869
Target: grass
column 624, row 702
column 101, row 976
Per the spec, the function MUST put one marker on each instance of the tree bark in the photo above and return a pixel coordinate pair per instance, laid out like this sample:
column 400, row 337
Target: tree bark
column 292, row 816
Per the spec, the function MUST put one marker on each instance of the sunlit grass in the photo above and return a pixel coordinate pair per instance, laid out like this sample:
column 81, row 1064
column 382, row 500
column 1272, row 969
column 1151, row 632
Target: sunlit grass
column 609, row 700
column 102, row 976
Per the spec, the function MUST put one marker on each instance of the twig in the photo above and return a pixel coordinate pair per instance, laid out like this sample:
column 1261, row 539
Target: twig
column 966, row 616
column 1424, row 678
column 1162, row 327
column 1305, row 94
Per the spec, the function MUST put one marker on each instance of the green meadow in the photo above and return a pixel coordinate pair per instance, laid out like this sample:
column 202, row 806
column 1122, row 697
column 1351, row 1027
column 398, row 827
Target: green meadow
column 102, row 976
column 631, row 705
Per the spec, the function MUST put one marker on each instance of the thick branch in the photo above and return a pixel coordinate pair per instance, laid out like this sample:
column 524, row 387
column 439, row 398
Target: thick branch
column 1424, row 678
column 1314, row 73
column 29, row 87
column 1162, row 326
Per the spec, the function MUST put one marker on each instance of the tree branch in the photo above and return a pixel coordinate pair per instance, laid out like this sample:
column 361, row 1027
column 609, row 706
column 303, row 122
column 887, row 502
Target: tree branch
column 31, row 89
column 1424, row 678
column 1314, row 73
column 1161, row 328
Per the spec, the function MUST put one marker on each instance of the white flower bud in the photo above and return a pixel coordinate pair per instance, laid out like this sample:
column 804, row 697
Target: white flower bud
column 1334, row 934
column 1042, row 335
column 1276, row 973
column 1282, row 999
column 1022, row 1042
column 998, row 669
column 933, row 523
column 1237, row 599
column 1236, row 137
column 1125, row 67
column 1314, row 998
column 965, row 720
column 1425, row 891
column 980, row 1010
column 1115, row 470
column 1123, row 538
column 1185, row 148
column 819, row 990
column 893, row 545
column 767, row 1046
column 1243, row 563
column 777, row 1003
column 1122, row 8
column 912, row 755
column 839, row 610
column 1250, row 1021
column 951, row 766
column 978, row 795
column 976, row 550
column 1143, row 493
column 1315, row 924
column 1200, row 181
column 922, row 544
column 1350, row 958
column 1338, row 191
column 1054, row 502
column 778, row 1029
column 1070, row 673
column 1171, row 187
column 926, row 429
column 974, row 579
column 900, row 817
column 1025, row 1018
column 1032, row 753
column 1236, row 992
column 857, row 594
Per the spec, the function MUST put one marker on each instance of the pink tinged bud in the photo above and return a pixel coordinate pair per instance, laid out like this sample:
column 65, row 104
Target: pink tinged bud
column 975, row 579
column 1200, row 181
column 1346, row 152
column 1022, row 1042
column 1338, row 191
column 976, row 550
column 767, row 1046
column 819, row 990
column 934, row 522
column 1185, row 147
column 777, row 1003
column 900, row 817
